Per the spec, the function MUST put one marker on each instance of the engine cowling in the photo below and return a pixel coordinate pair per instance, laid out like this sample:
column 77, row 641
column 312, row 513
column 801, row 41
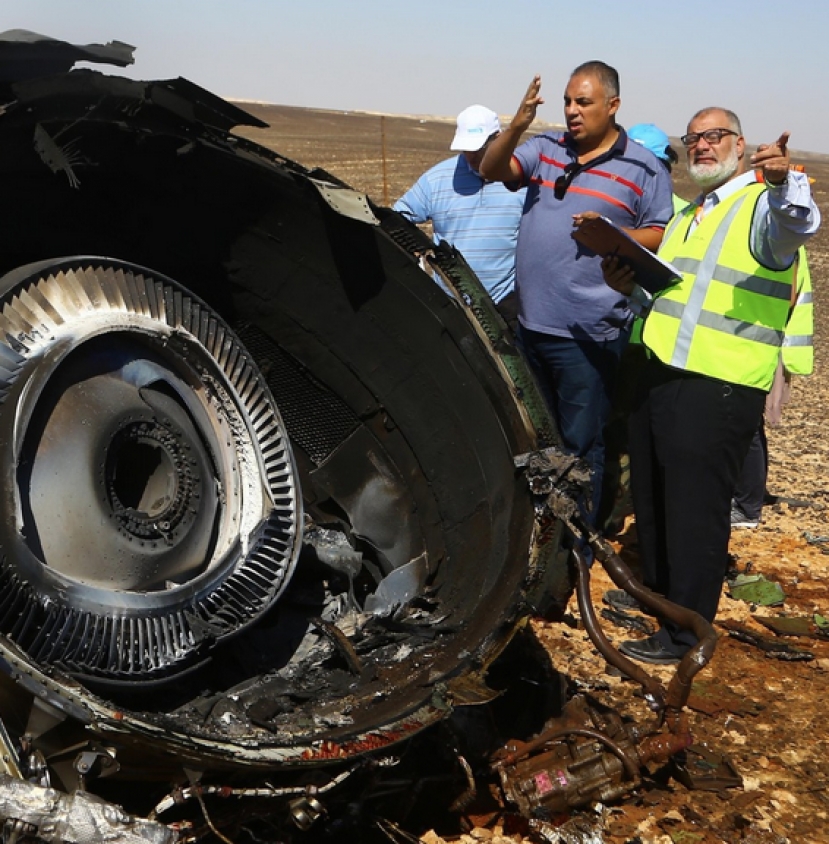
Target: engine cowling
column 263, row 509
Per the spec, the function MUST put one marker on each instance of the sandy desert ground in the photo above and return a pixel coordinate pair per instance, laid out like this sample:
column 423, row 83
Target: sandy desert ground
column 768, row 716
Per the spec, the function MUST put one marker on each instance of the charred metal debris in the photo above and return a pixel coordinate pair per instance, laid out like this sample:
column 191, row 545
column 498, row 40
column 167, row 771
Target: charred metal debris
column 263, row 523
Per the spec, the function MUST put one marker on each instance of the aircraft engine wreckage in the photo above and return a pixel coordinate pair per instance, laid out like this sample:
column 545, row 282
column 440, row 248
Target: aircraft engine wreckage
column 274, row 503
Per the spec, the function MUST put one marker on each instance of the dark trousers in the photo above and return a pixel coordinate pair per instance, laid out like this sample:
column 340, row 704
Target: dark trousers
column 577, row 378
column 615, row 494
column 689, row 435
column 750, row 493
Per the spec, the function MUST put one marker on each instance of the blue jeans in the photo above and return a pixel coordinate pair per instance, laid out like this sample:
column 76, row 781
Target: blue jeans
column 577, row 378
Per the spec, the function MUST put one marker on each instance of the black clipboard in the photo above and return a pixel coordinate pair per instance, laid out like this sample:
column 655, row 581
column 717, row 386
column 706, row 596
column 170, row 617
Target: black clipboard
column 605, row 238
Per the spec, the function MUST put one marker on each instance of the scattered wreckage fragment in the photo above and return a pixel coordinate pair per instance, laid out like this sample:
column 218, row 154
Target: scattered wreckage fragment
column 262, row 522
column 590, row 753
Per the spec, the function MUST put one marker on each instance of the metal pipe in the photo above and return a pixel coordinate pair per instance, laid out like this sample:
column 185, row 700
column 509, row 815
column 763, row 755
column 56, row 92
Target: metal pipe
column 696, row 658
column 654, row 690
column 560, row 482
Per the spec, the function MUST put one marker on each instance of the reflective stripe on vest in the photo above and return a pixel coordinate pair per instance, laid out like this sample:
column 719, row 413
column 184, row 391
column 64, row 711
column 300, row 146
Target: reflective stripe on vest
column 726, row 317
column 681, row 206
column 798, row 345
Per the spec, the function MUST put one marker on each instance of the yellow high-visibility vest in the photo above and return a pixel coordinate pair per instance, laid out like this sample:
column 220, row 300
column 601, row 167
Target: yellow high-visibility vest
column 727, row 316
column 798, row 343
column 636, row 326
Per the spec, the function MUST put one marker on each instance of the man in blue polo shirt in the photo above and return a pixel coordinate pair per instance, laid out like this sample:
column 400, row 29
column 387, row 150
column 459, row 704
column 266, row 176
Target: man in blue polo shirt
column 479, row 218
column 572, row 330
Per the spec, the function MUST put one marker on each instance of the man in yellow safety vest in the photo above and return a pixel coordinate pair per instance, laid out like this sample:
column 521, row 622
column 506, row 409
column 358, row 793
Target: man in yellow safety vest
column 713, row 341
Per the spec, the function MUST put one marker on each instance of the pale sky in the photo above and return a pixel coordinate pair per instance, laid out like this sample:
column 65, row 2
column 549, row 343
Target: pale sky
column 766, row 61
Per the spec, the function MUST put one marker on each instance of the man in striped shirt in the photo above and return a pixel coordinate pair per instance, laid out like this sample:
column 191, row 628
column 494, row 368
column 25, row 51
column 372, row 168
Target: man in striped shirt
column 479, row 218
column 572, row 329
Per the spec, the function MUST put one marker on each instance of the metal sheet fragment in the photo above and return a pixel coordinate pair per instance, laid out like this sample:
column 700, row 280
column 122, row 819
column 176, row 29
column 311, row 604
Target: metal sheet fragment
column 77, row 819
column 345, row 201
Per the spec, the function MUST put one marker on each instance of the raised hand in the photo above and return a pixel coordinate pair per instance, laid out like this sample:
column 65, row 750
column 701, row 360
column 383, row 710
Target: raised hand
column 529, row 105
column 773, row 160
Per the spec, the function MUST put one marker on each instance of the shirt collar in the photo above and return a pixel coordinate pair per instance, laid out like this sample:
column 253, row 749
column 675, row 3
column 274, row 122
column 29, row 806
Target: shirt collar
column 618, row 148
column 464, row 164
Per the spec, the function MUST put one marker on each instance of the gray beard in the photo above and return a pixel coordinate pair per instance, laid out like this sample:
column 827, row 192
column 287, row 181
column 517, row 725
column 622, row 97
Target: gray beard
column 712, row 175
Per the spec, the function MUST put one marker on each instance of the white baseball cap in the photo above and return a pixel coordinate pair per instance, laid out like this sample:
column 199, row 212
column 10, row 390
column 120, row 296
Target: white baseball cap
column 475, row 126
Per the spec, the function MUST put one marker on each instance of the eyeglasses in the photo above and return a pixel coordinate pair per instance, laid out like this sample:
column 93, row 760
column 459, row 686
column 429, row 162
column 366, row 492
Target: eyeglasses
column 563, row 181
column 711, row 136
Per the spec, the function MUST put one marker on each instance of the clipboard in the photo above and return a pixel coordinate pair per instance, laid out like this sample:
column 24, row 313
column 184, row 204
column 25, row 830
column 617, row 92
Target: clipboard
column 604, row 237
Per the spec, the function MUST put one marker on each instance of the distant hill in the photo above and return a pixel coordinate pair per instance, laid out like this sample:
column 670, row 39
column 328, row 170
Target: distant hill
column 538, row 125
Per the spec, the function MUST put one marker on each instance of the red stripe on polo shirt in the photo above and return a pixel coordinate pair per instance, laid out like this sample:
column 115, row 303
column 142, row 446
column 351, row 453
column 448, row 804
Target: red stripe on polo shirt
column 603, row 173
column 599, row 195
column 552, row 161
column 575, row 189
column 607, row 175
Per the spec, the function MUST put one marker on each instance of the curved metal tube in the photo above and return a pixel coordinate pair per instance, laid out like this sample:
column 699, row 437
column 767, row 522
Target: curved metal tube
column 653, row 688
column 560, row 482
column 698, row 656
column 693, row 661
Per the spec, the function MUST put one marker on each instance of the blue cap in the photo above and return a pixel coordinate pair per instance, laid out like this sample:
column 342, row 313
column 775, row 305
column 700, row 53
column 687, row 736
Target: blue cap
column 653, row 138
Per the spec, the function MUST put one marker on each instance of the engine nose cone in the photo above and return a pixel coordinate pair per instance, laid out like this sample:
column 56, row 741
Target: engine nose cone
column 156, row 506
column 120, row 487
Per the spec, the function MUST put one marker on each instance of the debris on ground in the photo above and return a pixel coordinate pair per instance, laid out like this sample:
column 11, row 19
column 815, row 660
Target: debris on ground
column 711, row 697
column 821, row 541
column 756, row 589
column 772, row 648
column 815, row 626
column 627, row 621
column 703, row 769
